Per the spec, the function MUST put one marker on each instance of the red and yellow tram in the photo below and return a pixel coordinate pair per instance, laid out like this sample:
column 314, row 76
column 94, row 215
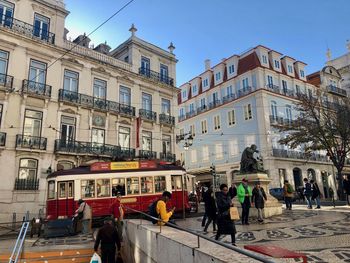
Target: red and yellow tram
column 138, row 182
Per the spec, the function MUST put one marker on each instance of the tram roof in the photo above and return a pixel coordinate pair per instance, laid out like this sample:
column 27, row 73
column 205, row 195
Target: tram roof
column 86, row 170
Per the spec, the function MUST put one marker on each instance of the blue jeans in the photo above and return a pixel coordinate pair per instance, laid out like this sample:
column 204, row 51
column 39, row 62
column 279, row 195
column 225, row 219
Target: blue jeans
column 308, row 201
column 317, row 201
column 85, row 223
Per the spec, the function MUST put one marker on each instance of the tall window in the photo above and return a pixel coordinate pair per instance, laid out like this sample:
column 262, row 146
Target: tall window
column 145, row 64
column 218, row 76
column 205, row 153
column 219, row 151
column 37, row 71
column 146, row 101
column 41, row 26
column 269, row 80
column 231, row 69
column 163, row 72
column 97, row 136
column 100, row 87
column 231, row 117
column 204, row 126
column 264, row 59
column 67, row 129
column 166, row 106
column 302, row 73
column 192, row 130
column 194, row 90
column 166, row 144
column 234, row 147
column 248, row 112
column 124, row 95
column 215, row 98
column 290, row 69
column 184, row 94
column 284, row 86
column 70, row 81
column 245, row 83
column 182, row 112
column 310, row 93
column 146, row 141
column 217, row 124
column 277, row 64
column 192, row 108
column 274, row 109
column 297, row 88
column 4, row 57
column 6, row 13
column 288, row 113
column 205, row 83
column 203, row 103
column 124, row 137
column 32, row 123
column 193, row 156
column 229, row 91
column 28, row 169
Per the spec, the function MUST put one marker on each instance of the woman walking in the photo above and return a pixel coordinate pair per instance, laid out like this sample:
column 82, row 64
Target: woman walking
column 210, row 208
column 225, row 225
column 259, row 198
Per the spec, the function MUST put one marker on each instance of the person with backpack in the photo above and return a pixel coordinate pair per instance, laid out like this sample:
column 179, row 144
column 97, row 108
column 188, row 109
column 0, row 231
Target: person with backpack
column 288, row 193
column 307, row 193
column 84, row 214
column 158, row 209
column 316, row 193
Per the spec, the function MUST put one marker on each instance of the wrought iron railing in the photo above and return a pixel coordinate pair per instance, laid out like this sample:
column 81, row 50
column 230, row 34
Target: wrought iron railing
column 299, row 155
column 26, row 29
column 126, row 153
column 168, row 157
column 276, row 120
column 336, row 90
column 273, row 87
column 166, row 119
column 2, row 138
column 36, row 88
column 6, row 81
column 95, row 103
column 244, row 91
column 31, row 142
column 148, row 115
column 26, row 184
column 229, row 97
column 143, row 154
column 156, row 76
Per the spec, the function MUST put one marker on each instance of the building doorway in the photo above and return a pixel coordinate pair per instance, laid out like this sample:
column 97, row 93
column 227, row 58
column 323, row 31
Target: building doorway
column 324, row 177
column 297, row 177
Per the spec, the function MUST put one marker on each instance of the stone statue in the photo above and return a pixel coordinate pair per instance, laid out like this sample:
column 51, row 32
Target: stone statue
column 251, row 161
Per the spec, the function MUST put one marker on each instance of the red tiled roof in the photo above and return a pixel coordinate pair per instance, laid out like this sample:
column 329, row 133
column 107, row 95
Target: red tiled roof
column 248, row 63
column 314, row 78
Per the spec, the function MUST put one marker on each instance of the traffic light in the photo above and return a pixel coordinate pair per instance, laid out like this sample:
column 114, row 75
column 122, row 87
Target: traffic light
column 213, row 170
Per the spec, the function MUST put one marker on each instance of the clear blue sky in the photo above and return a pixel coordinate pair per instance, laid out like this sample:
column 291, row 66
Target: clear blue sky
column 217, row 29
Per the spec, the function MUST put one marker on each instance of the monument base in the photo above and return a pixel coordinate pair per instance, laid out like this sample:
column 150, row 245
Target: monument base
column 272, row 206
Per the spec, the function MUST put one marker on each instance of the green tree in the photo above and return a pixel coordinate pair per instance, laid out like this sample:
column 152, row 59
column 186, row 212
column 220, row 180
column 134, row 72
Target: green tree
column 322, row 125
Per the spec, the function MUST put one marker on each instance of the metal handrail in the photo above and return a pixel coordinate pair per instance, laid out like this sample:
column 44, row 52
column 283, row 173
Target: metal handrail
column 236, row 249
column 19, row 243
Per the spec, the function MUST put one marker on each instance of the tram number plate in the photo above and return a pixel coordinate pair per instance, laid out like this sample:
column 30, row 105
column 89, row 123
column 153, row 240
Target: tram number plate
column 128, row 200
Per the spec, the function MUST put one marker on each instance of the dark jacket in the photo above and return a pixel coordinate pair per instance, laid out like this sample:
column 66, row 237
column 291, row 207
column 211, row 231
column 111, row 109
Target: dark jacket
column 232, row 191
column 307, row 189
column 108, row 236
column 210, row 206
column 315, row 190
column 225, row 224
column 346, row 185
column 257, row 199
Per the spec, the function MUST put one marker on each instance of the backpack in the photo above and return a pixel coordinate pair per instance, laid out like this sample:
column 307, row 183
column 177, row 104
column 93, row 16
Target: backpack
column 289, row 189
column 308, row 189
column 152, row 211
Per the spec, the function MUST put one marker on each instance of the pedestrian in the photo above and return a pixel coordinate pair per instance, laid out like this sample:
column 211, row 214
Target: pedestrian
column 117, row 212
column 307, row 193
column 316, row 193
column 108, row 237
column 232, row 190
column 226, row 226
column 205, row 216
column 259, row 198
column 83, row 213
column 346, row 185
column 288, row 193
column 161, row 208
column 244, row 193
column 210, row 208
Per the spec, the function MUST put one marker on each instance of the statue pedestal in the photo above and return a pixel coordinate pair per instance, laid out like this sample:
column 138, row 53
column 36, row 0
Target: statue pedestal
column 272, row 206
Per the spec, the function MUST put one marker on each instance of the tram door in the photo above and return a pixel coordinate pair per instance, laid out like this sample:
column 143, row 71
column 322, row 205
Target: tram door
column 65, row 198
column 177, row 191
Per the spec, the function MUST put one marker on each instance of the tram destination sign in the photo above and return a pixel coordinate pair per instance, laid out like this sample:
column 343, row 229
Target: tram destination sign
column 113, row 166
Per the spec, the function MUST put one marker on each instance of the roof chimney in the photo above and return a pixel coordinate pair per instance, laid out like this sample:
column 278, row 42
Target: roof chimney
column 207, row 64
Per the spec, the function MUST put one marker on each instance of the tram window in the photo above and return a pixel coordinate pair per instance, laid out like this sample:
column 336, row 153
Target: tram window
column 70, row 189
column 103, row 187
column 87, row 188
column 133, row 185
column 176, row 183
column 147, row 185
column 118, row 185
column 159, row 184
column 62, row 190
column 51, row 190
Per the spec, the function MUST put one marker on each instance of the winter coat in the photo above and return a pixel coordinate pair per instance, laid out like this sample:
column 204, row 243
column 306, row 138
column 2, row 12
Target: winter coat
column 307, row 190
column 86, row 209
column 257, row 199
column 241, row 193
column 225, row 224
column 315, row 190
column 210, row 205
column 346, row 185
column 232, row 191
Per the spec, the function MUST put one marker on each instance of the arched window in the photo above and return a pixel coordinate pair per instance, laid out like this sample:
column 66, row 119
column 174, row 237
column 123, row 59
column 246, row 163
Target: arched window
column 311, row 174
column 64, row 165
column 288, row 113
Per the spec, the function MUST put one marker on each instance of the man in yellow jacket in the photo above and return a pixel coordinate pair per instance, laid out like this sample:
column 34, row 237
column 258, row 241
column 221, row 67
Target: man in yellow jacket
column 161, row 208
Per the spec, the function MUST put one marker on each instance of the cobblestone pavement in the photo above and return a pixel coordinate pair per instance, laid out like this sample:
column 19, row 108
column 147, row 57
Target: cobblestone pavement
column 322, row 234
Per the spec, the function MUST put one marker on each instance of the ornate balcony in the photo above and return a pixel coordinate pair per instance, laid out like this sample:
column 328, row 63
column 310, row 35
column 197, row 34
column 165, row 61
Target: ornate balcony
column 27, row 30
column 299, row 155
column 288, row 92
column 214, row 104
column 95, row 149
column 337, row 91
column 147, row 154
column 168, row 157
column 244, row 91
column 156, row 76
column 275, row 120
column 26, row 184
column 148, row 115
column 6, row 81
column 31, row 142
column 166, row 119
column 2, row 139
column 126, row 153
column 273, row 87
column 90, row 102
column 182, row 117
column 190, row 114
column 228, row 98
column 36, row 88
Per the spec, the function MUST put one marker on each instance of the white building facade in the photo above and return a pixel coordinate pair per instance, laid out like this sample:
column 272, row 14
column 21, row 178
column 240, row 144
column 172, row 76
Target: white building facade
column 243, row 101
column 64, row 103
